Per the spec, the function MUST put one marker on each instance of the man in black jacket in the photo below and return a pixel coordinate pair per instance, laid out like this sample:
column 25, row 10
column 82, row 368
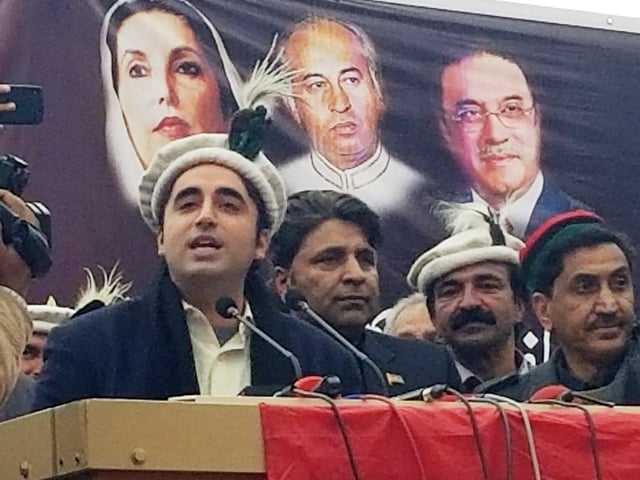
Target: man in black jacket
column 326, row 248
column 579, row 273
column 475, row 294
column 213, row 211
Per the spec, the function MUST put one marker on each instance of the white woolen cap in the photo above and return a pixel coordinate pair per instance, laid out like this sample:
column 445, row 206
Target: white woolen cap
column 180, row 155
column 47, row 317
column 461, row 250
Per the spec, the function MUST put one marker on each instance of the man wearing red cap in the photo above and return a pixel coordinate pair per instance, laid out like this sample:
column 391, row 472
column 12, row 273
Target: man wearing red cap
column 579, row 273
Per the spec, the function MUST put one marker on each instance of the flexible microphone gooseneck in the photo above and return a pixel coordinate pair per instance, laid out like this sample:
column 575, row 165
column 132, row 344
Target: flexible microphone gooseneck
column 296, row 301
column 227, row 308
column 560, row 392
column 556, row 394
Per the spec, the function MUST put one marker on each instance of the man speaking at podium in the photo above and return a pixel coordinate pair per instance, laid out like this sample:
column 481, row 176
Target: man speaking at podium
column 213, row 203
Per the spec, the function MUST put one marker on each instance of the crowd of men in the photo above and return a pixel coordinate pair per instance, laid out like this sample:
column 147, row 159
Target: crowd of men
column 214, row 226
column 218, row 215
column 219, row 211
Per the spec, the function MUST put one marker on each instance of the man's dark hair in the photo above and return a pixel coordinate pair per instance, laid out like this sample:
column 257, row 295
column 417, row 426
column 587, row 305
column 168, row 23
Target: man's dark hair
column 457, row 53
column 516, row 281
column 195, row 22
column 551, row 262
column 307, row 210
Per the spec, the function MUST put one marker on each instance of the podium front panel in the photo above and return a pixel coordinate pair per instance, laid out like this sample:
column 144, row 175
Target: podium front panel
column 26, row 447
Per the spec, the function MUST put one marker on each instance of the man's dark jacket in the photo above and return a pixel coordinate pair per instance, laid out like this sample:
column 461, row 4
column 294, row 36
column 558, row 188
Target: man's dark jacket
column 141, row 349
column 552, row 200
column 407, row 364
column 623, row 389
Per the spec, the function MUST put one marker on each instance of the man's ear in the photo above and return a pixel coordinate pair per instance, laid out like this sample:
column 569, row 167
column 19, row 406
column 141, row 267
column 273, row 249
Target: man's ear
column 292, row 107
column 540, row 304
column 537, row 114
column 281, row 280
column 160, row 242
column 262, row 244
column 445, row 134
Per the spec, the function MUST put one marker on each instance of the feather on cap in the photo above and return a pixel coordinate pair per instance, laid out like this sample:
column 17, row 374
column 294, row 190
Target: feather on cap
column 475, row 237
column 113, row 288
column 47, row 317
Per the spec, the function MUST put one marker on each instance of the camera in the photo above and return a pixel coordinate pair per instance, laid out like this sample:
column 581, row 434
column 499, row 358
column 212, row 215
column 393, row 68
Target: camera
column 33, row 244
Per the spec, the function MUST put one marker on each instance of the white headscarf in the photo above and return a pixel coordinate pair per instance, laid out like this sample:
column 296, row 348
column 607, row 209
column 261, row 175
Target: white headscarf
column 120, row 149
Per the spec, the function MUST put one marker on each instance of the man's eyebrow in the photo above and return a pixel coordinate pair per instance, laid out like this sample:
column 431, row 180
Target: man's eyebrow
column 332, row 249
column 487, row 276
column 350, row 70
column 512, row 97
column 447, row 283
column 469, row 101
column 466, row 102
column 229, row 192
column 622, row 270
column 366, row 249
column 311, row 75
column 186, row 192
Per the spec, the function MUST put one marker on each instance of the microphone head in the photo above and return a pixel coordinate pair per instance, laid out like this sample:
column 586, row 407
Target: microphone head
column 434, row 392
column 225, row 307
column 549, row 392
column 294, row 299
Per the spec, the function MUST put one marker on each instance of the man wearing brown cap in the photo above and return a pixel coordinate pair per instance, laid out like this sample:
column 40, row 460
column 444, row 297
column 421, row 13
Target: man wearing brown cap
column 213, row 202
column 579, row 272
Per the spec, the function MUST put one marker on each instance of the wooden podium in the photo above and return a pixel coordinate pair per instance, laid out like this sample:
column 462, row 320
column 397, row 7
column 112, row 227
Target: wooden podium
column 222, row 438
column 217, row 438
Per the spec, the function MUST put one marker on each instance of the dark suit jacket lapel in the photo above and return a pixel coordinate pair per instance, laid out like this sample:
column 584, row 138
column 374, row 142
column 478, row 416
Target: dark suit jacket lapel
column 552, row 200
column 173, row 349
column 382, row 356
column 268, row 366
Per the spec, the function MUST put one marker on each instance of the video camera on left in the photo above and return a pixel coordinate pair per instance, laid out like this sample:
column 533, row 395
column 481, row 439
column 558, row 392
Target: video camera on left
column 33, row 244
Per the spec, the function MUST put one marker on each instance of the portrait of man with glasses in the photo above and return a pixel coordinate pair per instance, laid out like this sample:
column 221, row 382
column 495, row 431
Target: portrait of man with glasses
column 490, row 123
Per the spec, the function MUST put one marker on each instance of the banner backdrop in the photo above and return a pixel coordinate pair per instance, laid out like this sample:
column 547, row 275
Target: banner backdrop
column 400, row 106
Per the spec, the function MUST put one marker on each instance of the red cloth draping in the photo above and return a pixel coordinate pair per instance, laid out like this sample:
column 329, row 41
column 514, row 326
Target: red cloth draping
column 304, row 442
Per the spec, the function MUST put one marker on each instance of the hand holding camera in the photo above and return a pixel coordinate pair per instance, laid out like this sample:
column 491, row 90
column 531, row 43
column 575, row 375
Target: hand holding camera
column 26, row 226
column 6, row 105
column 21, row 104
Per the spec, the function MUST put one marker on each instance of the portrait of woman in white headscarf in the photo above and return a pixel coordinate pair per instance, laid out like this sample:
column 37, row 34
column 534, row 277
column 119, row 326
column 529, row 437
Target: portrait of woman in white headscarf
column 166, row 75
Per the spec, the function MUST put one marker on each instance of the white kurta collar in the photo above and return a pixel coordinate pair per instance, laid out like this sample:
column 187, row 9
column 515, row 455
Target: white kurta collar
column 353, row 178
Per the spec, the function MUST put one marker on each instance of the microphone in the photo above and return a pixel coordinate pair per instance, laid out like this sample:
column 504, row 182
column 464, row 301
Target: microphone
column 227, row 308
column 549, row 392
column 296, row 301
column 564, row 394
column 572, row 395
column 329, row 386
column 438, row 392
